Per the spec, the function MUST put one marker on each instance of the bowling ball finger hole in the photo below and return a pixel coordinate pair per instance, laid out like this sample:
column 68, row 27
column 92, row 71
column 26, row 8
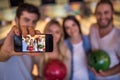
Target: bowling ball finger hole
column 95, row 59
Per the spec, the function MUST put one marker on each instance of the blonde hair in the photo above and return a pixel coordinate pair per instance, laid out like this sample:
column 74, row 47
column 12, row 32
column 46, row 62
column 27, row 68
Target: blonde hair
column 63, row 51
column 61, row 46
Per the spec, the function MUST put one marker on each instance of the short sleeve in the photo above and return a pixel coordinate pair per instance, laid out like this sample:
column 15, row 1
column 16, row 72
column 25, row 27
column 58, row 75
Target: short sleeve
column 118, row 46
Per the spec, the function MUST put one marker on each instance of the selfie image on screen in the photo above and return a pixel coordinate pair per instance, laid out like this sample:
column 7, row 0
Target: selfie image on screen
column 32, row 44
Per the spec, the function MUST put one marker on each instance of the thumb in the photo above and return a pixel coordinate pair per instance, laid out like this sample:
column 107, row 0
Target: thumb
column 13, row 31
column 10, row 35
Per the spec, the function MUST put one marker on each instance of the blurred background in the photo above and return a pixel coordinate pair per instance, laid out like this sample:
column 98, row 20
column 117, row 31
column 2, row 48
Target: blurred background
column 58, row 9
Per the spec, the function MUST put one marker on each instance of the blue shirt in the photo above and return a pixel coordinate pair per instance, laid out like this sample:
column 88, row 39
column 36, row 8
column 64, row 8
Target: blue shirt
column 16, row 68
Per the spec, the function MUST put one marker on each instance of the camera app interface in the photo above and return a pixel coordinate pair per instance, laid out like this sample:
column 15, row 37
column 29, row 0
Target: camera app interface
column 33, row 43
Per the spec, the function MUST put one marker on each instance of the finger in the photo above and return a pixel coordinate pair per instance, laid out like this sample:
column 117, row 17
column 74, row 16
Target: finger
column 12, row 32
column 31, row 31
column 94, row 71
column 17, row 54
column 37, row 32
column 17, row 31
column 24, row 30
column 102, row 73
column 33, row 54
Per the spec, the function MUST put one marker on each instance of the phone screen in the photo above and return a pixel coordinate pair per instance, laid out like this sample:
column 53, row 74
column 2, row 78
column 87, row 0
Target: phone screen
column 32, row 44
column 37, row 43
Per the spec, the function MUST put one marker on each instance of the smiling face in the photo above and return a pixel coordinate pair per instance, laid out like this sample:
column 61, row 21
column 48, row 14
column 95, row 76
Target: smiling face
column 55, row 30
column 27, row 19
column 104, row 15
column 71, row 28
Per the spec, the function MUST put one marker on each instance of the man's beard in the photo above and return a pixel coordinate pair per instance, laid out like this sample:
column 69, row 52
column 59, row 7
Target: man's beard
column 107, row 25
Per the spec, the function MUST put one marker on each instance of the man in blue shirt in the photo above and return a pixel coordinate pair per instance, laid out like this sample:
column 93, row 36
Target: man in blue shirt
column 11, row 66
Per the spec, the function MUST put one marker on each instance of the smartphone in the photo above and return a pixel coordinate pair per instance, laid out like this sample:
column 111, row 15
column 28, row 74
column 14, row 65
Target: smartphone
column 37, row 43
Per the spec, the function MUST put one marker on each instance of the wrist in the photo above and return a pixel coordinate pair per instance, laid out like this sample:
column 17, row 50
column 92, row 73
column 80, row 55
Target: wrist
column 3, row 55
column 107, row 73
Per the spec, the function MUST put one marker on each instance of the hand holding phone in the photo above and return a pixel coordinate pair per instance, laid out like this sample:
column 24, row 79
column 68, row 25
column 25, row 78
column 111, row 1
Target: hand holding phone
column 37, row 43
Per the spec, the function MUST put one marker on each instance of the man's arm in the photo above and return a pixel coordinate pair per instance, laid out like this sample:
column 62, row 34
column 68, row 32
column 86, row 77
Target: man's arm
column 7, row 47
column 112, row 71
column 3, row 57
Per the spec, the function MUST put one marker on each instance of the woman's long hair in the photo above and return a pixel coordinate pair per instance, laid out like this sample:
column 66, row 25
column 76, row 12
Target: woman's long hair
column 61, row 46
column 63, row 52
column 70, row 17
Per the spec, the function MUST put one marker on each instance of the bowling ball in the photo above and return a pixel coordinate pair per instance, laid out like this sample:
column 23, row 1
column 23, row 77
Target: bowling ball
column 40, row 46
column 30, row 48
column 55, row 70
column 99, row 60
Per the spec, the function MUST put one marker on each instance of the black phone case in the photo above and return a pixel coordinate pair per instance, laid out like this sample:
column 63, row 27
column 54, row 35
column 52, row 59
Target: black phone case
column 48, row 43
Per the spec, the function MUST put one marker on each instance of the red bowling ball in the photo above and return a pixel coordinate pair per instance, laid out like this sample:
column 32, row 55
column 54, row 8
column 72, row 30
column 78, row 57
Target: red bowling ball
column 55, row 70
column 30, row 48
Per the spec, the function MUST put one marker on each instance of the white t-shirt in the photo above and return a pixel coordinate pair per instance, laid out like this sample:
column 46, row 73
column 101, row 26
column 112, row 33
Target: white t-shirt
column 109, row 43
column 80, row 62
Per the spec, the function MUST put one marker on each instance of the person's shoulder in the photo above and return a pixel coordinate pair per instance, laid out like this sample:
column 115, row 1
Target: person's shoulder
column 93, row 26
column 117, row 30
column 85, row 37
column 66, row 40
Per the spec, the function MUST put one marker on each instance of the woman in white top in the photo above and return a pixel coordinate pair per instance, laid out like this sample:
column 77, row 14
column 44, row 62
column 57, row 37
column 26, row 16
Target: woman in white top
column 78, row 45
